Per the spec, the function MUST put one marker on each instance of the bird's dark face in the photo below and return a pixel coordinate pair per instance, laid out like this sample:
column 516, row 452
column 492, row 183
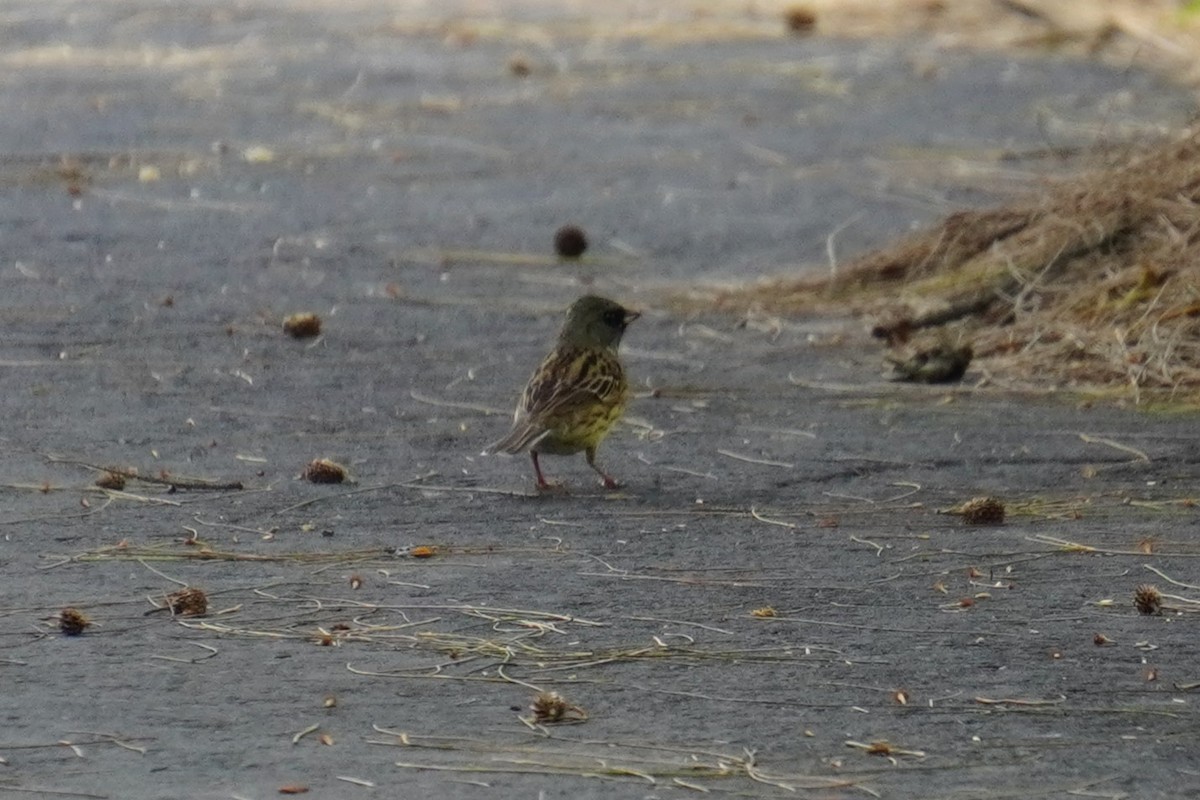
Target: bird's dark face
column 596, row 322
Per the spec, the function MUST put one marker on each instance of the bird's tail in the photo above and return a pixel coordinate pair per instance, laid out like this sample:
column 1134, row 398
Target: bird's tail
column 521, row 437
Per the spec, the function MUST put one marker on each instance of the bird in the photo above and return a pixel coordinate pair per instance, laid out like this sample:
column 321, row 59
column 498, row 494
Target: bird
column 577, row 392
column 943, row 363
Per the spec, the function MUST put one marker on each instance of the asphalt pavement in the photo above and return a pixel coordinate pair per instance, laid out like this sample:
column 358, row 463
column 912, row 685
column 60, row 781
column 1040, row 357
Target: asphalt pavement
column 776, row 603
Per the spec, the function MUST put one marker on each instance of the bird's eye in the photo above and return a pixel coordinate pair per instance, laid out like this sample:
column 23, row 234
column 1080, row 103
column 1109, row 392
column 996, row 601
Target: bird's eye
column 614, row 318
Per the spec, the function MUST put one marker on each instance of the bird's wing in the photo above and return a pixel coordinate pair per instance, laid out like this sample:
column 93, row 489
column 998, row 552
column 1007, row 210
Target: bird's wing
column 568, row 380
column 522, row 436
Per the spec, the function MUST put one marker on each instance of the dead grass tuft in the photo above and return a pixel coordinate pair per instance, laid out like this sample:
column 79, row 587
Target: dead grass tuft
column 1095, row 285
column 982, row 511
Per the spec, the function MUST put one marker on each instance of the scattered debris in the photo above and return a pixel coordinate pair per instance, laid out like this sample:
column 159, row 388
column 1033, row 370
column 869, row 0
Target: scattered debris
column 800, row 20
column 111, row 480
column 552, row 707
column 322, row 470
column 518, row 65
column 884, row 748
column 981, row 511
column 304, row 325
column 570, row 241
column 187, row 602
column 72, row 621
column 164, row 477
column 1147, row 599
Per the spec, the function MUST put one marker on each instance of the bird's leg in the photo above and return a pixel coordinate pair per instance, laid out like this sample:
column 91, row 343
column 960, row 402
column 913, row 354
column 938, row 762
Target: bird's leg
column 537, row 470
column 609, row 481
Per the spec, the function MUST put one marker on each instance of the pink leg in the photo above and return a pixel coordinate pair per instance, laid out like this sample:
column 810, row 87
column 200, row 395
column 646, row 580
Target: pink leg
column 537, row 470
column 609, row 481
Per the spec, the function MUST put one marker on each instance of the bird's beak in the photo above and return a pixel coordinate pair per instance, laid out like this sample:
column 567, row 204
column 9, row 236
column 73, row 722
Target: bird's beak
column 630, row 316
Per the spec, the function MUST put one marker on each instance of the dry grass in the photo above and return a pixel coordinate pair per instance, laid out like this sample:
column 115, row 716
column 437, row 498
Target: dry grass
column 1158, row 34
column 1093, row 286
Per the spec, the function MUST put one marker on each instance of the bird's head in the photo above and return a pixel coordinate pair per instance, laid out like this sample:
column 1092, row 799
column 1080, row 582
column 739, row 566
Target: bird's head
column 596, row 322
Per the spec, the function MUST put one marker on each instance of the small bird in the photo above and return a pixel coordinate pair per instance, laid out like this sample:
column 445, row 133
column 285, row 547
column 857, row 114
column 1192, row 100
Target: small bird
column 943, row 363
column 577, row 392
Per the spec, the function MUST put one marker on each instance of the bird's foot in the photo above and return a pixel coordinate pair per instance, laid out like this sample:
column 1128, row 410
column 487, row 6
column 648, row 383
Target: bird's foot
column 610, row 483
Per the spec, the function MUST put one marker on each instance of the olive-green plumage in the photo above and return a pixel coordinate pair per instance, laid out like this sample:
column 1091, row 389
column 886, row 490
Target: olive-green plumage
column 578, row 391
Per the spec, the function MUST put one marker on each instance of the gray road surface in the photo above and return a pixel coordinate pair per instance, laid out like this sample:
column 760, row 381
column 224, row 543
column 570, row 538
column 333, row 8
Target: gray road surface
column 178, row 178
